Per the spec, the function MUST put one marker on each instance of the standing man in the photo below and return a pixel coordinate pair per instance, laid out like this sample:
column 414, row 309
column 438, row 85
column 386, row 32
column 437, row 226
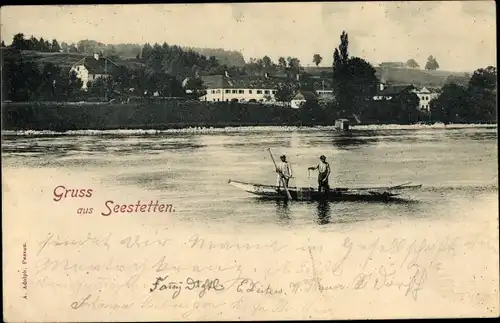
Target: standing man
column 323, row 173
column 284, row 172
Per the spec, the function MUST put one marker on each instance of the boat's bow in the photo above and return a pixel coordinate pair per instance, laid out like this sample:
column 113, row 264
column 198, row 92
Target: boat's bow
column 257, row 189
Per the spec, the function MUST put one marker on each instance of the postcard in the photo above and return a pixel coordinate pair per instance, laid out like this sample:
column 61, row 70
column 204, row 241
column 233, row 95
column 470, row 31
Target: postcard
column 249, row 161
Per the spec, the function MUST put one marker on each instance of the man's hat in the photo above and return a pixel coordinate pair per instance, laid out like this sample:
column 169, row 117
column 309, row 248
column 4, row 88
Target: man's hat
column 282, row 156
column 322, row 157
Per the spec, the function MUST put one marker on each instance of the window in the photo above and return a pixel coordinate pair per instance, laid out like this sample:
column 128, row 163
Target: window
column 228, row 91
column 218, row 91
column 259, row 91
column 266, row 92
column 249, row 91
column 241, row 91
column 234, row 91
column 213, row 91
column 274, row 92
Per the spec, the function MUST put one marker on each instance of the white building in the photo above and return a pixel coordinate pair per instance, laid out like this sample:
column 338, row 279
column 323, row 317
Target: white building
column 221, row 88
column 301, row 97
column 424, row 94
column 91, row 68
column 238, row 94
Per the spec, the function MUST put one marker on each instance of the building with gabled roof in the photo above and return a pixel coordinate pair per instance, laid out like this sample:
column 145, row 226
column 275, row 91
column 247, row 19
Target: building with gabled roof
column 425, row 94
column 222, row 88
column 301, row 97
column 90, row 68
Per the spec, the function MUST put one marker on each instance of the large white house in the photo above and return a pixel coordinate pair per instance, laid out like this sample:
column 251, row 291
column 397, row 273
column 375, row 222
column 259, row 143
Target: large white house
column 221, row 88
column 91, row 68
column 424, row 94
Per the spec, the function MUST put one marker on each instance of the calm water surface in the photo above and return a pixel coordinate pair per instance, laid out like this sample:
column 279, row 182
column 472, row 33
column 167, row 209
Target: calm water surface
column 457, row 167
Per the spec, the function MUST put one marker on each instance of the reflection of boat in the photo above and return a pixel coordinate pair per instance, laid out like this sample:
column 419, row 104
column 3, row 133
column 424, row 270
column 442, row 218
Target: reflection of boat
column 382, row 193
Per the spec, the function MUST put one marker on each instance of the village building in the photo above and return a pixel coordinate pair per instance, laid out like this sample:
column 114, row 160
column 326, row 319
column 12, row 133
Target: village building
column 301, row 97
column 91, row 68
column 425, row 94
column 221, row 88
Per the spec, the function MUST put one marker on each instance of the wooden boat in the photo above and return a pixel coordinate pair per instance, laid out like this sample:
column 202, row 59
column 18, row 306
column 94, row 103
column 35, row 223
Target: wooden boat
column 381, row 193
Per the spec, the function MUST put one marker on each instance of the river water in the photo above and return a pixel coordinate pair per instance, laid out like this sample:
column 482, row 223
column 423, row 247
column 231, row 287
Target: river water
column 456, row 166
column 192, row 170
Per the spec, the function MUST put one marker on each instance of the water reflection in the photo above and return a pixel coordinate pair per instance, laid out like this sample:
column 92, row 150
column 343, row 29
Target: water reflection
column 346, row 140
column 283, row 211
column 323, row 212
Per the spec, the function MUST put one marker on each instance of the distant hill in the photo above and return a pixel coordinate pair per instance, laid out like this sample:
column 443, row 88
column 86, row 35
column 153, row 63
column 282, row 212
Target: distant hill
column 416, row 76
column 64, row 60
column 129, row 51
column 225, row 57
column 402, row 75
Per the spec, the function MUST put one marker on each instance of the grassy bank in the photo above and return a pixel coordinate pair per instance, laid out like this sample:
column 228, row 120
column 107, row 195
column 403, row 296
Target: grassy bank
column 167, row 115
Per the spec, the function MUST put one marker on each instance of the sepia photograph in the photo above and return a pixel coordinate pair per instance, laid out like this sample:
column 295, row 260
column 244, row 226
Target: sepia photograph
column 249, row 161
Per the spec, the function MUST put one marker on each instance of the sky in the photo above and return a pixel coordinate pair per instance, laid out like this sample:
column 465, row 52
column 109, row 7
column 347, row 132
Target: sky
column 461, row 35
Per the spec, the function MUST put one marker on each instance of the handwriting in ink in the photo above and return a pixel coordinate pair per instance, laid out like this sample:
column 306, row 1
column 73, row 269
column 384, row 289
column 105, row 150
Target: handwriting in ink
column 190, row 284
column 386, row 279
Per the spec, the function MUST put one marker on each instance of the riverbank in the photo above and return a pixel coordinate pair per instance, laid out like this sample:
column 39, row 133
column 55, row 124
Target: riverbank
column 161, row 116
column 251, row 129
column 171, row 116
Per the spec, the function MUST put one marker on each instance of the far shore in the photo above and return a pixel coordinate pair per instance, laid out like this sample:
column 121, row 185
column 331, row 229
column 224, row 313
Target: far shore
column 233, row 129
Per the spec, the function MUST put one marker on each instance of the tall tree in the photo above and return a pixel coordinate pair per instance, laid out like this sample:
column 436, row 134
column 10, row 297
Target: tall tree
column 431, row 64
column 18, row 41
column 340, row 76
column 317, row 59
column 482, row 94
column 3, row 43
column 33, row 43
column 354, row 81
column 43, row 48
column 48, row 46
column 267, row 62
column 282, row 63
column 55, row 46
column 343, row 47
column 293, row 63
column 451, row 105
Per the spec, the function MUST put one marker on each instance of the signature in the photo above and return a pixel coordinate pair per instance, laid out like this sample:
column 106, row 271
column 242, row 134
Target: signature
column 203, row 286
column 386, row 279
column 251, row 286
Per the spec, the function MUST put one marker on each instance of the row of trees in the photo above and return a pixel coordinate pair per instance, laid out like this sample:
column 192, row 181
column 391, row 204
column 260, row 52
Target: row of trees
column 25, row 80
column 431, row 64
column 174, row 60
column 257, row 65
column 32, row 43
column 355, row 84
column 475, row 102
